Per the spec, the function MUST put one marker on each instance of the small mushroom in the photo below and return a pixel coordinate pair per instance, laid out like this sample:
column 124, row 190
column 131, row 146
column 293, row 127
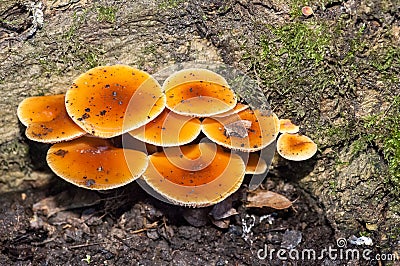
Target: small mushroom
column 277, row 123
column 192, row 94
column 47, row 120
column 94, row 163
column 255, row 165
column 108, row 101
column 169, row 129
column 247, row 130
column 295, row 147
column 286, row 126
column 307, row 11
column 195, row 175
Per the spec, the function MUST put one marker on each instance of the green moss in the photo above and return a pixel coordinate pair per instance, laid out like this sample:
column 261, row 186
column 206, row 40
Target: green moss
column 295, row 7
column 291, row 58
column 296, row 41
column 385, row 61
column 149, row 49
column 390, row 136
column 311, row 68
column 365, row 233
column 14, row 157
column 384, row 130
column 79, row 53
column 333, row 186
column 358, row 146
column 106, row 14
column 338, row 133
column 302, row 62
column 78, row 19
column 167, row 4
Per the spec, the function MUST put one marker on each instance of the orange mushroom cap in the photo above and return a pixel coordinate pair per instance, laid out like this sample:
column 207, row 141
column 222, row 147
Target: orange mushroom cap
column 296, row 147
column 238, row 108
column 169, row 129
column 193, row 74
column 266, row 156
column 246, row 131
column 107, row 101
column 128, row 142
column 255, row 164
column 94, row 163
column 286, row 126
column 195, row 175
column 307, row 11
column 198, row 92
column 277, row 123
column 47, row 120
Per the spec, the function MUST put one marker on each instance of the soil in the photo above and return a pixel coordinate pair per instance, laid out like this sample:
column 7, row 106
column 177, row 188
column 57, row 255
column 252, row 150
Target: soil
column 44, row 220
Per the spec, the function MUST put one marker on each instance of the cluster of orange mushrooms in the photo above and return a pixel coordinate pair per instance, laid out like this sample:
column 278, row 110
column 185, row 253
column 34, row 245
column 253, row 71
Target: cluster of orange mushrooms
column 171, row 121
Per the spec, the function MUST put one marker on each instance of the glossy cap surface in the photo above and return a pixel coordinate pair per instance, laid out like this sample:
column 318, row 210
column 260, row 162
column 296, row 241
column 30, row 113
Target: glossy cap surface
column 108, row 101
column 47, row 120
column 195, row 175
column 94, row 163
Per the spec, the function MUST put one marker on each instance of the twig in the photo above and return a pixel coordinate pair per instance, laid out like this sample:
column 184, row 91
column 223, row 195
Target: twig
column 86, row 245
column 43, row 242
column 122, row 241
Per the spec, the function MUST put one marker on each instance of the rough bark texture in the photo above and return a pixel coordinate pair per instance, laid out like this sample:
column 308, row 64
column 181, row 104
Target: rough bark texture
column 340, row 192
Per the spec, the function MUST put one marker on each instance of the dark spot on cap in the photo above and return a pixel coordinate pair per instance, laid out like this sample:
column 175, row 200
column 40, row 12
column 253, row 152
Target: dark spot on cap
column 85, row 116
column 61, row 153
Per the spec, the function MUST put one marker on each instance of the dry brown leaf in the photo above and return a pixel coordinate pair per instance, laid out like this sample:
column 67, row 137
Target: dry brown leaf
column 223, row 224
column 262, row 198
column 224, row 208
column 238, row 129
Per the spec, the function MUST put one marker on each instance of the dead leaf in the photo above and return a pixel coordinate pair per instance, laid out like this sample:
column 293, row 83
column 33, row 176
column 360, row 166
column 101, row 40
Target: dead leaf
column 238, row 129
column 262, row 198
column 224, row 208
column 223, row 224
